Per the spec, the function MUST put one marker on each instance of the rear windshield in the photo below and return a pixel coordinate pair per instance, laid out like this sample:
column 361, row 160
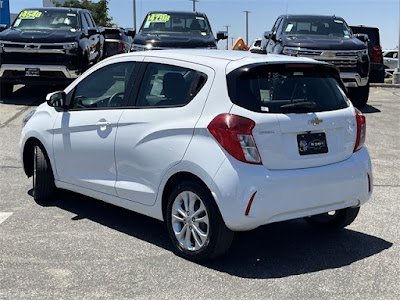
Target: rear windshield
column 286, row 88
column 373, row 33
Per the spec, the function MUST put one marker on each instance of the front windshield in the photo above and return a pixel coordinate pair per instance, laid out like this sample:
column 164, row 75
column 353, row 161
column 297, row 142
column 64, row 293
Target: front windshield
column 173, row 24
column 46, row 20
column 323, row 26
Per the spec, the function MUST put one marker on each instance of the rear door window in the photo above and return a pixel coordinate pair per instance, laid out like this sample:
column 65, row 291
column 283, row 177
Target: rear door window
column 288, row 88
column 167, row 85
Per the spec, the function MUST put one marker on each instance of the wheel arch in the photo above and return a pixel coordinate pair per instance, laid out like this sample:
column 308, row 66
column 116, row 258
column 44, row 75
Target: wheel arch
column 176, row 179
column 28, row 154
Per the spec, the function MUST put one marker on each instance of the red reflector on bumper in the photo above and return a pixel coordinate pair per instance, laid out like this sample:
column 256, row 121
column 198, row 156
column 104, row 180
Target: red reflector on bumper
column 249, row 204
column 369, row 183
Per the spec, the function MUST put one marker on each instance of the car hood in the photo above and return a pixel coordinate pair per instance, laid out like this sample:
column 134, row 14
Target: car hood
column 175, row 41
column 42, row 36
column 324, row 43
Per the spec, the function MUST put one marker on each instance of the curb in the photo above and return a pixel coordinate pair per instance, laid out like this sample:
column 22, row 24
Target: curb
column 385, row 85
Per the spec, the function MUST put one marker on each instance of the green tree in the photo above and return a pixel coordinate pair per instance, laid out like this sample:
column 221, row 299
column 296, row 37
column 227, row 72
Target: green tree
column 98, row 9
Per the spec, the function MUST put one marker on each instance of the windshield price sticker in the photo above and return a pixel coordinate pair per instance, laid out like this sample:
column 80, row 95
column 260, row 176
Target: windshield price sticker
column 30, row 14
column 158, row 18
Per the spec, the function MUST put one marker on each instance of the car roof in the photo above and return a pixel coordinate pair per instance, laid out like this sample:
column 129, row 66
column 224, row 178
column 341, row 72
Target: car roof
column 312, row 16
column 72, row 9
column 194, row 13
column 227, row 59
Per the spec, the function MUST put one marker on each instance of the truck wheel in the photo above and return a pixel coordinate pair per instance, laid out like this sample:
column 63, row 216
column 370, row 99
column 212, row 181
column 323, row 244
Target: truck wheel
column 334, row 220
column 6, row 89
column 359, row 96
column 43, row 178
column 194, row 223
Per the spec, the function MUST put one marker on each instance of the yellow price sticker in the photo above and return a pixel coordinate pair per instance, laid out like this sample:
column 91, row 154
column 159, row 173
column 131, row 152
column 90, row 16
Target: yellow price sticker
column 30, row 14
column 158, row 18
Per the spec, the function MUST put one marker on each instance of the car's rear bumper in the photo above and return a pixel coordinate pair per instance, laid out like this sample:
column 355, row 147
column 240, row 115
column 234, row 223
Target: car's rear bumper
column 288, row 194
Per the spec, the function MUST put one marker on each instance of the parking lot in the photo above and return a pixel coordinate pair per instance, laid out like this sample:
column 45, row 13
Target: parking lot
column 80, row 248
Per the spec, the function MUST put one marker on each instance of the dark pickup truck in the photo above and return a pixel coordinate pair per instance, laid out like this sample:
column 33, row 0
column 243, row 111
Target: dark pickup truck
column 166, row 30
column 324, row 38
column 49, row 46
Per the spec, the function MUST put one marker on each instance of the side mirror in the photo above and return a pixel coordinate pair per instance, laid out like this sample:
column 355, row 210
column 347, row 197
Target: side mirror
column 268, row 35
column 3, row 27
column 93, row 31
column 362, row 37
column 130, row 32
column 221, row 35
column 56, row 99
column 256, row 50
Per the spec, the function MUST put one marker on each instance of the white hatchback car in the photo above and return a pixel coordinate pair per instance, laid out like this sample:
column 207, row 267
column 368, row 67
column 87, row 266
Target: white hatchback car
column 211, row 142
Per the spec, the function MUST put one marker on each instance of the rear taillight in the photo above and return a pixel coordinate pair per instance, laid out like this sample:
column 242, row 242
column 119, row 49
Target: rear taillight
column 121, row 47
column 376, row 54
column 361, row 130
column 234, row 133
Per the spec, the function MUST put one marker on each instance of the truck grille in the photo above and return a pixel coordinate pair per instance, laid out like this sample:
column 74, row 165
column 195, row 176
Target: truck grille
column 34, row 53
column 348, row 64
column 346, row 61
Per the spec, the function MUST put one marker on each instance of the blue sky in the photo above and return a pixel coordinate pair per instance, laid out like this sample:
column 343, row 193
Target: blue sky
column 383, row 14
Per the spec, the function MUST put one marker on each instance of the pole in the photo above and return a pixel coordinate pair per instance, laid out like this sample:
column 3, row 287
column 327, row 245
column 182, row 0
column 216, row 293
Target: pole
column 398, row 45
column 227, row 33
column 247, row 26
column 396, row 73
column 194, row 4
column 134, row 15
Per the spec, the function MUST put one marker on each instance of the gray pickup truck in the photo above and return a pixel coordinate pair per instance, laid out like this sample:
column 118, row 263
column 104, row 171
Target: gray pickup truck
column 324, row 38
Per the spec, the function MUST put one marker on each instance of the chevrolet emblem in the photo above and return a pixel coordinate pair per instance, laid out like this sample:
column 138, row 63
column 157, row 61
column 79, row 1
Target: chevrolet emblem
column 328, row 54
column 316, row 121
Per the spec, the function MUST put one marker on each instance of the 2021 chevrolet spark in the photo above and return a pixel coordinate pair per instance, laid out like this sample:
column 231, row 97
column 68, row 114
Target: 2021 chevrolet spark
column 211, row 142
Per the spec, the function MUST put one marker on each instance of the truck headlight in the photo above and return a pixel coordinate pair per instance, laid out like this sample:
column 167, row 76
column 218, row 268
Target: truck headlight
column 69, row 46
column 290, row 51
column 362, row 52
column 138, row 47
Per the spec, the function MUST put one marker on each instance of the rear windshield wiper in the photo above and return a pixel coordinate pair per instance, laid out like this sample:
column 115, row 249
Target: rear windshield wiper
column 304, row 104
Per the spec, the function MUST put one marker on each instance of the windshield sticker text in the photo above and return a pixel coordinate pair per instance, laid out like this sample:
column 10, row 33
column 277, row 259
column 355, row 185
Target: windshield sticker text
column 158, row 18
column 29, row 14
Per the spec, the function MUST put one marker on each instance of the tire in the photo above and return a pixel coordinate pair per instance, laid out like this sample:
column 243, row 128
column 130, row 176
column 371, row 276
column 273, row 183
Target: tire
column 212, row 235
column 6, row 89
column 43, row 179
column 359, row 96
column 334, row 220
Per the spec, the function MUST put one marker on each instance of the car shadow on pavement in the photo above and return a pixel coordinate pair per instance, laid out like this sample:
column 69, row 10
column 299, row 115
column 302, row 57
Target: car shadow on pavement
column 271, row 251
column 29, row 95
column 293, row 248
column 368, row 109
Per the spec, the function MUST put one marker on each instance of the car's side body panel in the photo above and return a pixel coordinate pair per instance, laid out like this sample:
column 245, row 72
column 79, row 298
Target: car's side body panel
column 150, row 140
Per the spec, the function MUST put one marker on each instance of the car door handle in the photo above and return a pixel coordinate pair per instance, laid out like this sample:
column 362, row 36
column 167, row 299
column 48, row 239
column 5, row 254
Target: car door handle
column 103, row 123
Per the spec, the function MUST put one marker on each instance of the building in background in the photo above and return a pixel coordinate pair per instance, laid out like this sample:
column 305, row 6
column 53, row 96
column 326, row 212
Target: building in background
column 5, row 12
column 48, row 3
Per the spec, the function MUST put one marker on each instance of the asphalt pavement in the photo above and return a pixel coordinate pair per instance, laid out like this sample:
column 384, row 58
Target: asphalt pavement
column 81, row 248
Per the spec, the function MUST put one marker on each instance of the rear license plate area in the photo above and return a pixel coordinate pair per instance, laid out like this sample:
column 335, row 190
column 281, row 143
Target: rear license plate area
column 32, row 72
column 312, row 143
